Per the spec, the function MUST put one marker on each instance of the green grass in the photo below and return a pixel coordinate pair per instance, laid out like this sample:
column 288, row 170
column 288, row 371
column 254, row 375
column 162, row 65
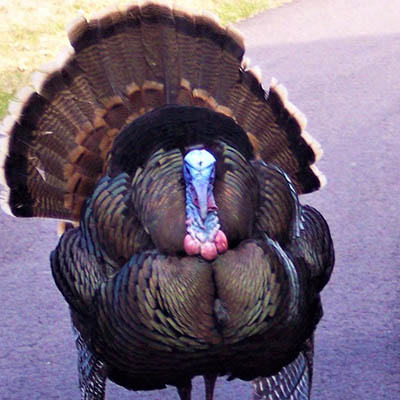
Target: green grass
column 32, row 35
column 4, row 100
column 236, row 10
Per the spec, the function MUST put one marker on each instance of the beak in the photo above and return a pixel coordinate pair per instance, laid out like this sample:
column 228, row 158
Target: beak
column 201, row 188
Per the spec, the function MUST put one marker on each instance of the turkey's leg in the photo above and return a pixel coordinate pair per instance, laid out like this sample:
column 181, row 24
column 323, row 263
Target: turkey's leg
column 209, row 381
column 185, row 392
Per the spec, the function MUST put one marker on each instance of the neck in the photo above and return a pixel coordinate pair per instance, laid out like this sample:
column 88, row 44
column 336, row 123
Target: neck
column 203, row 237
column 198, row 228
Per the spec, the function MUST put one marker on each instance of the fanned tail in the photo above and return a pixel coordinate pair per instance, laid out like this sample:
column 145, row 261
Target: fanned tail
column 120, row 65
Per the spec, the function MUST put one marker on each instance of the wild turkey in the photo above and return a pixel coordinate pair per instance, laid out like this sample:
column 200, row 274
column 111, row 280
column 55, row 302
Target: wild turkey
column 186, row 250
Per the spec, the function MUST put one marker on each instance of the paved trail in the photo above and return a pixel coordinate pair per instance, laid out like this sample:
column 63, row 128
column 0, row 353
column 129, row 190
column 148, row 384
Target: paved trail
column 340, row 60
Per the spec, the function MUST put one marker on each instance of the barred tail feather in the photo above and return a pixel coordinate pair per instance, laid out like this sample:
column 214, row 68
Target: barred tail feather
column 291, row 382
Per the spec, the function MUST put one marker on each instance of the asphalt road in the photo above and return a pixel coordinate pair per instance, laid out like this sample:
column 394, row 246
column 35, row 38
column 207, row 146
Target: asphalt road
column 340, row 61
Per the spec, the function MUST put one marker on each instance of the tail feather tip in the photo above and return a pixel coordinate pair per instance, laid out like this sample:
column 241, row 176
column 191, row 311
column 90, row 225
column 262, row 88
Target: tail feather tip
column 321, row 177
column 4, row 198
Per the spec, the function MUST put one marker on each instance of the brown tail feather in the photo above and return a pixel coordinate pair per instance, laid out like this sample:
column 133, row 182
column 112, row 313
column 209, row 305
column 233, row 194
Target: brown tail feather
column 91, row 56
column 116, row 51
column 121, row 65
column 209, row 54
column 232, row 54
column 161, row 51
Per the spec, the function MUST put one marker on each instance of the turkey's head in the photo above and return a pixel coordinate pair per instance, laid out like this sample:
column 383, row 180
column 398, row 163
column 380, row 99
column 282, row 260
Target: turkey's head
column 203, row 236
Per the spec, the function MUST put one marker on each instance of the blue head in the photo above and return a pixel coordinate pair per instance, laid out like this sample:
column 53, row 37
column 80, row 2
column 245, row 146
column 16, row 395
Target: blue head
column 204, row 236
column 199, row 174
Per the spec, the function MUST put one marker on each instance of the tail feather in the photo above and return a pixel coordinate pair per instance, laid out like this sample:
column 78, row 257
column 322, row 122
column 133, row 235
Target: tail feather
column 291, row 382
column 161, row 50
column 246, row 99
column 185, row 38
column 232, row 54
column 35, row 181
column 121, row 65
column 209, row 53
column 116, row 46
column 86, row 39
column 81, row 89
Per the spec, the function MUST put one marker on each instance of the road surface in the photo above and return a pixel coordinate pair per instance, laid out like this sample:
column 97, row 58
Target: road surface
column 340, row 61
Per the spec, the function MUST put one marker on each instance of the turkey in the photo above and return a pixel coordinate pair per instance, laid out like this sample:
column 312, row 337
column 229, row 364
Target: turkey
column 185, row 250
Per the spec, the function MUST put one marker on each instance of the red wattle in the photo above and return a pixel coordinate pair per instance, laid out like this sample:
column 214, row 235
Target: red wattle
column 221, row 242
column 191, row 245
column 208, row 251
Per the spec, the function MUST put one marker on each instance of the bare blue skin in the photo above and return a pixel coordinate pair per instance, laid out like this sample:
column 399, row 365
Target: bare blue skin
column 202, row 223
